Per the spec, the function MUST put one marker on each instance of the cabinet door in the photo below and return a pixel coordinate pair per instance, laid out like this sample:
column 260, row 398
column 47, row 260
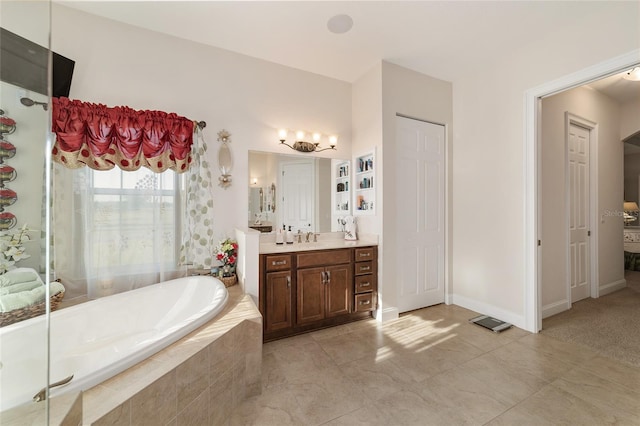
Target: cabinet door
column 311, row 294
column 338, row 290
column 278, row 301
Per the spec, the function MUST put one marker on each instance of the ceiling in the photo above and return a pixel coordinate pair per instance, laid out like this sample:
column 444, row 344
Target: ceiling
column 443, row 39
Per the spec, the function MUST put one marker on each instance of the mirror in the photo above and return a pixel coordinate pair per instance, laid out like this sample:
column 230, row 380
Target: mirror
column 631, row 181
column 295, row 191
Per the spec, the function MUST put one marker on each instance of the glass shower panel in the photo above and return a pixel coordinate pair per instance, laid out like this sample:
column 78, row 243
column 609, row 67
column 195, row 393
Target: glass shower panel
column 24, row 127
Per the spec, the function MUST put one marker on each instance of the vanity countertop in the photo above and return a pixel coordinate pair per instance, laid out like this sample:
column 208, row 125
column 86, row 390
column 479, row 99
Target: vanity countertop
column 268, row 247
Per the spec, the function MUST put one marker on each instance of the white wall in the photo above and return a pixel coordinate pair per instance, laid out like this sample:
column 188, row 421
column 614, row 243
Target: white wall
column 117, row 64
column 488, row 155
column 605, row 112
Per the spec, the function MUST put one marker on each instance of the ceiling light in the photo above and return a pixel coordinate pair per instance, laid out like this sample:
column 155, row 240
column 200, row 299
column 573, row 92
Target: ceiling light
column 340, row 24
column 633, row 75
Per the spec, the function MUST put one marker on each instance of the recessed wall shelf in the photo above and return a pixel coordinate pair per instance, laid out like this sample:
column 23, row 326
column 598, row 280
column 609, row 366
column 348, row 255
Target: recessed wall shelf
column 364, row 201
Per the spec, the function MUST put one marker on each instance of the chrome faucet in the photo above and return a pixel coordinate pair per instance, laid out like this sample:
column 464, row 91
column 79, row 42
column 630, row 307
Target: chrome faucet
column 309, row 234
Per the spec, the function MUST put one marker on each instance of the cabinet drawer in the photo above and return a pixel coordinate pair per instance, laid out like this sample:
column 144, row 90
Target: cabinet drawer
column 364, row 283
column 364, row 254
column 364, row 302
column 278, row 263
column 328, row 257
column 364, row 268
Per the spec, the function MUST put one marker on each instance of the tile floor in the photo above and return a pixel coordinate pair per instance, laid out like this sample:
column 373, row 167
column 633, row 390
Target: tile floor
column 431, row 367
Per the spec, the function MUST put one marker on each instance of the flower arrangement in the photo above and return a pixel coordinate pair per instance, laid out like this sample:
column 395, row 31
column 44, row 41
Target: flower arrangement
column 227, row 252
column 12, row 247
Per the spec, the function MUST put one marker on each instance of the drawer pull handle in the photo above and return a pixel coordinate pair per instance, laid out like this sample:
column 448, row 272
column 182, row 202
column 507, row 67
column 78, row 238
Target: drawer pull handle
column 365, row 302
column 365, row 268
column 365, row 254
column 324, row 277
column 277, row 263
column 365, row 284
column 288, row 282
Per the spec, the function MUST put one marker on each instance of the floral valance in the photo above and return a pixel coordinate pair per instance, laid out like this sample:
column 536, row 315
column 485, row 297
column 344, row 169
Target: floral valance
column 102, row 137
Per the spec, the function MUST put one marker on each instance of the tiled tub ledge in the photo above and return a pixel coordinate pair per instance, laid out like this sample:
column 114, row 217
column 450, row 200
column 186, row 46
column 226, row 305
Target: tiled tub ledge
column 199, row 379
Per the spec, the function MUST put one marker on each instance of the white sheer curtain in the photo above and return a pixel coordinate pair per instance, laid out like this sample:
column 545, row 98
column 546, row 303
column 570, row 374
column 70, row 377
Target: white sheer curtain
column 115, row 230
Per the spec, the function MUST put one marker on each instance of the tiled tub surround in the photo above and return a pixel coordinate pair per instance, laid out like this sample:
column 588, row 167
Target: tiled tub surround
column 198, row 380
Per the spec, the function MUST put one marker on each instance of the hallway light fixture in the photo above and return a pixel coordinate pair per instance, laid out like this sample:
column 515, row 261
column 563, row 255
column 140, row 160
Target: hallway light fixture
column 301, row 145
column 630, row 211
column 633, row 75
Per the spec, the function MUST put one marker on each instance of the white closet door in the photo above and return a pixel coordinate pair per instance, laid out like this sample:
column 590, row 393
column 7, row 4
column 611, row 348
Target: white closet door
column 420, row 165
column 298, row 202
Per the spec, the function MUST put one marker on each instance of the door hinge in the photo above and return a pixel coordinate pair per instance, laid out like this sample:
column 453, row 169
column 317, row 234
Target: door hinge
column 588, row 233
column 539, row 243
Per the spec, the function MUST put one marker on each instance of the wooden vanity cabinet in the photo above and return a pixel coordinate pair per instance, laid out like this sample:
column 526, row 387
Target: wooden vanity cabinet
column 278, row 293
column 308, row 290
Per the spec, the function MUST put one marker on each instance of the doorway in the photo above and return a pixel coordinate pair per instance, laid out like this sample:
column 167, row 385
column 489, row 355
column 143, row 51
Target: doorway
column 420, row 236
column 533, row 175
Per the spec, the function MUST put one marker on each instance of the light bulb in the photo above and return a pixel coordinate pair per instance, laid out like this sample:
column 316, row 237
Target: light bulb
column 333, row 140
column 299, row 135
column 316, row 137
column 282, row 133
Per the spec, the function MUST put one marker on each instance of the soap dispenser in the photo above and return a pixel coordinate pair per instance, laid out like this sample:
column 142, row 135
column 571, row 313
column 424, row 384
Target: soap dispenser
column 289, row 236
column 279, row 236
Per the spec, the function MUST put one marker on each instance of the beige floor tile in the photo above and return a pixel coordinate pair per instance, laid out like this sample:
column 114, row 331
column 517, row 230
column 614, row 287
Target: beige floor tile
column 276, row 407
column 522, row 357
column 466, row 399
column 553, row 406
column 376, row 379
column 349, row 347
column 604, row 394
column 567, row 352
column 408, row 408
column 369, row 415
column 615, row 371
column 501, row 381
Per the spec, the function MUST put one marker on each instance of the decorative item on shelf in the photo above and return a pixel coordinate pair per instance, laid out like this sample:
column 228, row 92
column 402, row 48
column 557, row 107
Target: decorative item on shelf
column 7, row 174
column 7, row 197
column 301, row 145
column 7, row 150
column 225, row 162
column 227, row 253
column 7, row 125
column 12, row 247
column 350, row 233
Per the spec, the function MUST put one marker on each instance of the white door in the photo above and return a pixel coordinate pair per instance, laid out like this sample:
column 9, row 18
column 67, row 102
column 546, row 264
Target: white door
column 420, row 191
column 579, row 252
column 297, row 195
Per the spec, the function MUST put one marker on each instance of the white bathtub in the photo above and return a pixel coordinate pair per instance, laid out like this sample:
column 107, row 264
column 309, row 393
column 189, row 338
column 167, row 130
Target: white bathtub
column 101, row 338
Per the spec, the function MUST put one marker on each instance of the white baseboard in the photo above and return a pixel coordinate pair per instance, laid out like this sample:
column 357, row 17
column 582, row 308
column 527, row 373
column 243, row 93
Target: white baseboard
column 611, row 287
column 387, row 314
column 487, row 309
column 555, row 308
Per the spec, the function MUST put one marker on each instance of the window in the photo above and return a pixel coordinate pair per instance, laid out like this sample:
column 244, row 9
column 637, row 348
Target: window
column 132, row 221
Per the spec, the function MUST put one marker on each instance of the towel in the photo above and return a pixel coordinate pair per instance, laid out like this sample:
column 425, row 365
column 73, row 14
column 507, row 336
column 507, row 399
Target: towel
column 17, row 288
column 18, row 275
column 12, row 301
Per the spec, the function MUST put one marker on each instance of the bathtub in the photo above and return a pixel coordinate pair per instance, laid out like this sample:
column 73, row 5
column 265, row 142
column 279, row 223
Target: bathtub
column 101, row 338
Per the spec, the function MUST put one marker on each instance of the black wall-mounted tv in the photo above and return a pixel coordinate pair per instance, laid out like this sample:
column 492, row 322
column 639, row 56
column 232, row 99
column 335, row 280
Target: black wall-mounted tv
column 23, row 63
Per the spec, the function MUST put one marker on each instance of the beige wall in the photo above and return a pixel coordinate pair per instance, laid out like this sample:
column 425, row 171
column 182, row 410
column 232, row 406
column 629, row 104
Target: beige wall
column 631, row 175
column 117, row 64
column 630, row 118
column 596, row 107
column 489, row 247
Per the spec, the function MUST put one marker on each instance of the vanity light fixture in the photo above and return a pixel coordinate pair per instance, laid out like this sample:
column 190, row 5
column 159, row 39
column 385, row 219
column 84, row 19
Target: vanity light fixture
column 254, row 181
column 302, row 146
column 633, row 75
